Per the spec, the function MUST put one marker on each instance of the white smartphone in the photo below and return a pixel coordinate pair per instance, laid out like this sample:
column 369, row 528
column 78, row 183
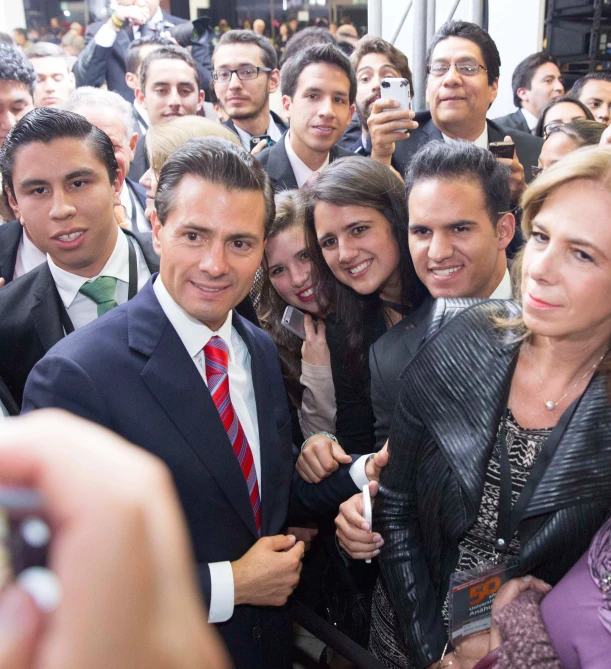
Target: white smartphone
column 367, row 512
column 397, row 89
column 293, row 321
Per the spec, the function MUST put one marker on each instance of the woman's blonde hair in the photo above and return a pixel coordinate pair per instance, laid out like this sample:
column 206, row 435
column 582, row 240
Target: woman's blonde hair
column 163, row 139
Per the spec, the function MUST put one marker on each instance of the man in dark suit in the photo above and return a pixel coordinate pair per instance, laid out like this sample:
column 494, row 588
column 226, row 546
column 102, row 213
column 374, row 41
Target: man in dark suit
column 179, row 373
column 106, row 43
column 8, row 406
column 463, row 65
column 63, row 181
column 535, row 82
column 245, row 72
column 318, row 92
column 110, row 113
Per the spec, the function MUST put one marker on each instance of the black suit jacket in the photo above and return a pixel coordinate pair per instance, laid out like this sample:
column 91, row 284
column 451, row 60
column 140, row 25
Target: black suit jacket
column 514, row 121
column 98, row 64
column 352, row 134
column 10, row 236
column 528, row 147
column 31, row 319
column 140, row 163
column 130, row 372
column 443, row 430
column 282, row 125
column 138, row 191
column 6, row 400
column 278, row 167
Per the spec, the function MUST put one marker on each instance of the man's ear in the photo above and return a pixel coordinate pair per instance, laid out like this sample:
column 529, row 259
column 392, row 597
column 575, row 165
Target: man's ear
column 506, row 229
column 13, row 204
column 118, row 185
column 131, row 79
column 287, row 102
column 139, row 93
column 352, row 110
column 133, row 142
column 494, row 90
column 157, row 232
column 522, row 93
column 202, row 97
column 274, row 81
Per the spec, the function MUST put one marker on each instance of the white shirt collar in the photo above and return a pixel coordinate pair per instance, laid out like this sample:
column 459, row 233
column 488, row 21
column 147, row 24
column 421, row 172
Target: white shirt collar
column 156, row 18
column 481, row 141
column 142, row 111
column 28, row 256
column 117, row 266
column 503, row 290
column 531, row 119
column 193, row 333
column 272, row 130
column 301, row 171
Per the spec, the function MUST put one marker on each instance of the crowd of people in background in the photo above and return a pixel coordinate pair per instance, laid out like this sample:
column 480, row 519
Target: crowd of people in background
column 229, row 247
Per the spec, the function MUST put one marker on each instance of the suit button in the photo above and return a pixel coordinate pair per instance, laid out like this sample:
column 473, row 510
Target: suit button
column 257, row 632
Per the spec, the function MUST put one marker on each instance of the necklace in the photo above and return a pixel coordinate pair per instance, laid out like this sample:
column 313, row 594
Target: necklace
column 550, row 405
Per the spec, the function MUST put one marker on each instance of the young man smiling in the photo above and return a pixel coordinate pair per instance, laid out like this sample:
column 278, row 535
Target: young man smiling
column 318, row 92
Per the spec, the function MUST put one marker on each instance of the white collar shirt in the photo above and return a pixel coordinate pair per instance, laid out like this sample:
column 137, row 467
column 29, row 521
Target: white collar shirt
column 28, row 257
column 272, row 130
column 142, row 116
column 81, row 309
column 301, row 171
column 503, row 290
column 133, row 211
column 481, row 141
column 531, row 119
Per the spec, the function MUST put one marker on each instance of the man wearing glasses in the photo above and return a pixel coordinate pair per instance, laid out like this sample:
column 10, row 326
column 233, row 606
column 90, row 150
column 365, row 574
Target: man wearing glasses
column 463, row 71
column 245, row 72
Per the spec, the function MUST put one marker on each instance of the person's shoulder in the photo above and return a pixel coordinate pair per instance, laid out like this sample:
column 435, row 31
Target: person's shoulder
column 263, row 156
column 472, row 313
column 176, row 20
column 339, row 151
column 14, row 291
column 10, row 229
column 93, row 28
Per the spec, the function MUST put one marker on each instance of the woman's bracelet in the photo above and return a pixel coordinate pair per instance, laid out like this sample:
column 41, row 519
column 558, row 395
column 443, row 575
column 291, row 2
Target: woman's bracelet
column 324, row 434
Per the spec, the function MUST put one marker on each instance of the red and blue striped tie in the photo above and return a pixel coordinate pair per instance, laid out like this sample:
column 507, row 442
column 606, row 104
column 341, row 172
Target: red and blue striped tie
column 217, row 365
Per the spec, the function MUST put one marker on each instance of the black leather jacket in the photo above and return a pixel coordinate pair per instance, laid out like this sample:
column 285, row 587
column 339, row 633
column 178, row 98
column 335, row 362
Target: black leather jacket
column 443, row 430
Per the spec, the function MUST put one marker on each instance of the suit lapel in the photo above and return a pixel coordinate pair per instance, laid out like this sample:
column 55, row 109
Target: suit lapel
column 173, row 379
column 415, row 327
column 279, row 166
column 45, row 312
column 9, row 247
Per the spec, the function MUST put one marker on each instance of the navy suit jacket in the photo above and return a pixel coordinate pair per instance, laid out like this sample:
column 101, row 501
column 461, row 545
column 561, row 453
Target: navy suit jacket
column 130, row 372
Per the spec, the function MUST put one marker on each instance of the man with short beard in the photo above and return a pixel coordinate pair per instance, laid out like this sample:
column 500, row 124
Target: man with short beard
column 245, row 72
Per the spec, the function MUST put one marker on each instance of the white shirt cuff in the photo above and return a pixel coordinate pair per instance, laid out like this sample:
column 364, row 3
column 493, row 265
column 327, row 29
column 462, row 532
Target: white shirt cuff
column 221, row 592
column 357, row 472
column 105, row 36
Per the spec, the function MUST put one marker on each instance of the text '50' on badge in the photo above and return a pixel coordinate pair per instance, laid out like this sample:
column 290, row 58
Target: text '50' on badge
column 471, row 595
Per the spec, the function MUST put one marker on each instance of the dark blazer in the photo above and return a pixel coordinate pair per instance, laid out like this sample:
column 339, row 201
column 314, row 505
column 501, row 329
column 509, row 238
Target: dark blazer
column 352, row 133
column 10, row 237
column 515, row 121
column 276, row 163
column 98, row 64
column 31, row 319
column 443, row 430
column 140, row 163
column 528, row 147
column 130, row 372
column 282, row 125
column 6, row 400
column 138, row 191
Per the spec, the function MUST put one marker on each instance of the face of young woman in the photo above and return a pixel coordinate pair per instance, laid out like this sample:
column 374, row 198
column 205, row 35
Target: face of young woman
column 566, row 272
column 290, row 268
column 358, row 246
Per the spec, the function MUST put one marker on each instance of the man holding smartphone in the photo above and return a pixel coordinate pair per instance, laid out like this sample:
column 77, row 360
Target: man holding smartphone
column 463, row 66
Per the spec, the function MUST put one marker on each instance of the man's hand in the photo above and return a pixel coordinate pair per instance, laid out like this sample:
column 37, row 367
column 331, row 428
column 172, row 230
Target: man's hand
column 269, row 572
column 319, row 458
column 374, row 466
column 353, row 531
column 388, row 127
column 305, row 534
column 517, row 182
column 136, row 12
column 315, row 350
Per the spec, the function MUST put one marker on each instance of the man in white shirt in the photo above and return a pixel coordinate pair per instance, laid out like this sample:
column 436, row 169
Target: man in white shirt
column 318, row 93
column 245, row 73
column 535, row 82
column 63, row 182
column 191, row 381
column 110, row 113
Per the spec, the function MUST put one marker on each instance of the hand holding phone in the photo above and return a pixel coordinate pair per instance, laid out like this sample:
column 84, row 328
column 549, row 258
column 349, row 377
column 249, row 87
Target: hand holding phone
column 502, row 149
column 367, row 509
column 398, row 89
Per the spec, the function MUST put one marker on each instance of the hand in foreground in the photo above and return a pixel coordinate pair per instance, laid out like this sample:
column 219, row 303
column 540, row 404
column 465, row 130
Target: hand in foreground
column 374, row 467
column 268, row 573
column 319, row 458
column 260, row 146
column 353, row 531
column 121, row 554
column 388, row 124
column 314, row 350
column 517, row 182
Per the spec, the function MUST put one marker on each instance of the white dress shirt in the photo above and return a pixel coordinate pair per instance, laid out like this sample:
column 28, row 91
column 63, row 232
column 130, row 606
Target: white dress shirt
column 531, row 119
column 301, row 171
column 81, row 309
column 106, row 35
column 481, row 141
column 28, row 257
column 142, row 116
column 503, row 290
column 137, row 220
column 195, row 335
column 272, row 130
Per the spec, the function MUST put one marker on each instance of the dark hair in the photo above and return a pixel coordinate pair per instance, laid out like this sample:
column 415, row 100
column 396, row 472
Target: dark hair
column 553, row 103
column 356, row 181
column 306, row 38
column 319, row 53
column 44, row 50
column 268, row 53
column 132, row 57
column 525, row 71
column 46, row 124
column 219, row 162
column 475, row 34
column 21, row 31
column 467, row 162
column 171, row 52
column 372, row 44
column 582, row 131
column 16, row 67
column 592, row 76
column 290, row 212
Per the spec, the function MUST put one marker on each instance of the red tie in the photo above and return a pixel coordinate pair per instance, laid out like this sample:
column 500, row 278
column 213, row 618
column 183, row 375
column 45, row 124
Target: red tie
column 217, row 364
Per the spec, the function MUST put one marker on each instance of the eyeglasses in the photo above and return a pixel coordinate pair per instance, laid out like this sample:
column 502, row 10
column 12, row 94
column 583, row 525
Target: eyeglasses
column 468, row 69
column 551, row 127
column 244, row 73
